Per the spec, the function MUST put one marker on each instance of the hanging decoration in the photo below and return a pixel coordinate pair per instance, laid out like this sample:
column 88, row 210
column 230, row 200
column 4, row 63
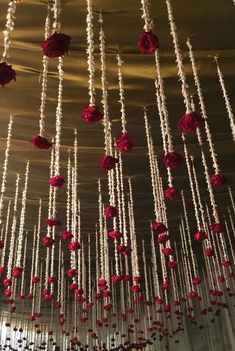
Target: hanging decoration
column 148, row 42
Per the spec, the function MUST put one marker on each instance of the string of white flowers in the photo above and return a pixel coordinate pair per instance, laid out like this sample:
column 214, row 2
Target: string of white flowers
column 106, row 253
column 226, row 99
column 133, row 238
column 9, row 27
column 22, row 217
column 33, row 257
column 89, row 267
column 59, row 116
column 187, row 267
column 231, row 198
column 45, row 62
column 75, row 185
column 148, row 22
column 5, row 164
column 121, row 93
column 231, row 222
column 73, row 221
column 79, row 240
column 52, row 171
column 54, row 196
column 203, row 108
column 179, row 59
column 118, row 190
column 36, row 263
column 6, row 233
column 13, row 229
column 62, row 295
column 90, row 53
column 101, row 227
column 68, row 207
column 56, row 9
column 145, row 271
column 154, row 263
column 125, row 238
column 229, row 238
column 24, row 260
column 59, row 274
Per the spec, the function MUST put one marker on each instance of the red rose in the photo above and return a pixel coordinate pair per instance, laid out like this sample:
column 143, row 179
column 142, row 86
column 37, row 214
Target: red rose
column 126, row 278
column 218, row 228
column 110, row 212
column 116, row 278
column 91, row 114
column 74, row 246
column 124, row 144
column 115, row 234
column 20, row 297
column 107, row 162
column 158, row 228
column 220, row 278
column 2, row 269
column 218, row 179
column 196, row 281
column 172, row 264
column 16, row 272
column 57, row 181
column 163, row 238
column 108, row 307
column 172, row 160
column 7, row 282
column 71, row 272
column 200, row 235
column 57, row 304
column 47, row 241
column 158, row 300
column 171, row 193
column 192, row 295
column 73, row 286
column 167, row 308
column 7, row 73
column 209, row 252
column 40, row 142
column 35, row 280
column 190, row 122
column 56, row 45
column 148, row 42
column 7, row 292
column 135, row 289
column 53, row 222
column 102, row 282
column 67, row 235
column 79, row 291
column 1, row 244
column 226, row 263
column 30, row 296
column 136, row 280
column 167, row 251
column 51, row 280
column 124, row 250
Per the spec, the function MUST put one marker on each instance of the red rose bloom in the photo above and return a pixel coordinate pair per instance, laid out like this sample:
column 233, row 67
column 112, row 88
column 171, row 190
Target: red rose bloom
column 57, row 181
column 47, row 241
column 172, row 264
column 200, row 235
column 108, row 307
column 192, row 295
column 158, row 228
column 135, row 289
column 102, row 282
column 16, row 272
column 7, row 73
column 2, row 269
column 7, row 282
column 20, row 297
column 110, row 212
column 116, row 278
column 115, row 234
column 57, row 304
column 220, row 278
column 67, row 235
column 218, row 228
column 218, row 179
column 40, row 142
column 56, row 45
column 7, row 292
column 30, row 296
column 35, row 280
column 91, row 114
column 124, row 250
column 73, row 286
column 74, row 246
column 53, row 222
column 190, row 122
column 196, row 281
column 124, row 144
column 172, row 160
column 163, row 238
column 137, row 280
column 1, row 244
column 51, row 280
column 167, row 251
column 209, row 252
column 107, row 162
column 148, row 43
column 171, row 193
column 71, row 272
column 226, row 263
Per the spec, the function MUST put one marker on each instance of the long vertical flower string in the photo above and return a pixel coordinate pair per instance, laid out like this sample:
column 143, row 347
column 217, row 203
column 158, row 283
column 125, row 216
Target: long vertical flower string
column 226, row 99
column 5, row 165
column 148, row 42
column 36, row 262
column 30, row 294
column 6, row 233
column 23, row 282
column 231, row 199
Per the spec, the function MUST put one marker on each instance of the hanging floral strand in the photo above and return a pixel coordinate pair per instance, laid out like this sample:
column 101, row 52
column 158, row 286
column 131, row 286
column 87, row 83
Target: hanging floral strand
column 226, row 99
column 5, row 165
column 91, row 113
column 7, row 73
column 148, row 42
column 4, row 242
column 22, row 286
column 191, row 120
column 36, row 278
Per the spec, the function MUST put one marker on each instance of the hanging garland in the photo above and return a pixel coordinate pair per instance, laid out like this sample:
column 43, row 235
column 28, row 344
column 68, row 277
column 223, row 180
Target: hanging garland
column 148, row 42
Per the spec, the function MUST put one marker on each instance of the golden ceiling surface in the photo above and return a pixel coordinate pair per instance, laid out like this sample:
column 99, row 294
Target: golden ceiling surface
column 210, row 26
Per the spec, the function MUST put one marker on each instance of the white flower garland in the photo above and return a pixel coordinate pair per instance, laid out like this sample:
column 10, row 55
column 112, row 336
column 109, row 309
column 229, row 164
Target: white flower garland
column 24, row 260
column 133, row 239
column 36, row 263
column 68, row 207
column 101, row 227
column 122, row 198
column 226, row 99
column 10, row 17
column 148, row 22
column 121, row 94
column 6, row 233
column 90, row 53
column 33, row 259
column 56, row 9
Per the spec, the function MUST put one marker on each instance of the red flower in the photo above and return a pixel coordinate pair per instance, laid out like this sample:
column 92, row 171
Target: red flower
column 35, row 280
column 53, row 222
column 20, row 297
column 98, row 296
column 171, row 193
column 220, row 278
column 1, row 244
column 124, row 250
column 124, row 144
column 79, row 291
column 73, row 286
column 71, row 272
column 167, row 308
column 148, row 42
column 200, row 235
column 57, row 304
column 226, row 263
column 172, row 264
column 126, row 278
column 7, row 292
column 209, row 252
column 172, row 160
column 196, row 281
column 163, row 238
column 47, row 241
column 16, row 272
column 218, row 179
column 91, row 114
column 56, row 45
column 57, row 181
column 51, row 280
column 40, row 142
column 102, row 282
column 167, row 251
column 158, row 228
column 7, row 282
column 2, row 269
column 135, row 289
column 30, row 296
column 107, row 162
column 74, row 246
column 108, row 307
column 137, row 280
column 192, row 295
column 158, row 300
column 67, row 235
column 115, row 235
column 116, row 278
column 7, row 73
column 110, row 212
column 218, row 228
column 190, row 122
